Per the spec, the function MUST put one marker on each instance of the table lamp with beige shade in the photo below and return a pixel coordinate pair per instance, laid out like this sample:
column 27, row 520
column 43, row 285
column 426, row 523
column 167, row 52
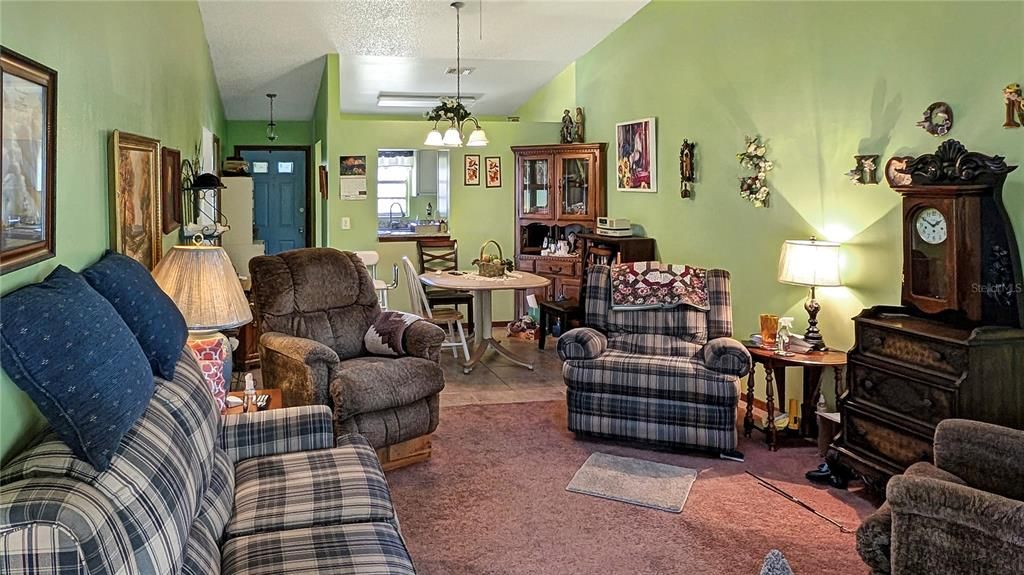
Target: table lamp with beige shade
column 811, row 263
column 205, row 287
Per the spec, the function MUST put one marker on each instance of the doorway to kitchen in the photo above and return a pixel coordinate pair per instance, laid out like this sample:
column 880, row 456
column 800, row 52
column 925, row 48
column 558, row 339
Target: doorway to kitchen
column 282, row 190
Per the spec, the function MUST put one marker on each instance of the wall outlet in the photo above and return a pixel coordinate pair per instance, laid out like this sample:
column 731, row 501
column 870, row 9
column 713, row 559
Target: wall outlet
column 346, row 223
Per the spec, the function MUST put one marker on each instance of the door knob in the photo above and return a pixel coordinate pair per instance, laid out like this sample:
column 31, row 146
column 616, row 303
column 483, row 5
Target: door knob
column 302, row 210
column 302, row 230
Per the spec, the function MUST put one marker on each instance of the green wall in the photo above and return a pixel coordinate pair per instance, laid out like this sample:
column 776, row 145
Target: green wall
column 254, row 133
column 819, row 82
column 550, row 102
column 141, row 67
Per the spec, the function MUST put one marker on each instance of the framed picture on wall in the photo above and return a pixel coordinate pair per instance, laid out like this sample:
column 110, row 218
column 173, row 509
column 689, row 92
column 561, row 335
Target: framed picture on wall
column 29, row 128
column 472, row 171
column 170, row 189
column 322, row 182
column 135, row 197
column 492, row 167
column 636, row 155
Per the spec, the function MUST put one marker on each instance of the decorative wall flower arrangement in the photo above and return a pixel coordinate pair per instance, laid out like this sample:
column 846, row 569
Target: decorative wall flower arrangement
column 755, row 188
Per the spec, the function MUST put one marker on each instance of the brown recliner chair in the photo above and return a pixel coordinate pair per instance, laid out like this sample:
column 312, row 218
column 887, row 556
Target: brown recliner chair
column 313, row 308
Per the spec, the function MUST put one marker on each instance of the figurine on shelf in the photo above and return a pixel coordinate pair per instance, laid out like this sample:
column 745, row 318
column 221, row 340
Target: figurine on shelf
column 568, row 131
column 578, row 135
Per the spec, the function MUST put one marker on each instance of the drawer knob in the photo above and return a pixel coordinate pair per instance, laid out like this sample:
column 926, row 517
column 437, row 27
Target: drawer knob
column 555, row 270
column 876, row 341
column 926, row 402
column 868, row 384
column 938, row 356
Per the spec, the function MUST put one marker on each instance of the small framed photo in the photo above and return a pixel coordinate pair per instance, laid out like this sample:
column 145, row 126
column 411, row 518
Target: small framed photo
column 493, row 169
column 636, row 155
column 472, row 170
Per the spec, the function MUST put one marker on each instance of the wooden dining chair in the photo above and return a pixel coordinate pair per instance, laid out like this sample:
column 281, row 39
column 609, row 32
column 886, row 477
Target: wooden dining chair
column 443, row 255
column 440, row 316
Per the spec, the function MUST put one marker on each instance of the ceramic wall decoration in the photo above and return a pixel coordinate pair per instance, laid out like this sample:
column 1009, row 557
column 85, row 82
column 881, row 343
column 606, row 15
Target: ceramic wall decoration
column 893, row 171
column 471, row 175
column 687, row 175
column 492, row 169
column 755, row 188
column 1014, row 103
column 29, row 128
column 865, row 171
column 636, row 156
column 937, row 119
column 135, row 197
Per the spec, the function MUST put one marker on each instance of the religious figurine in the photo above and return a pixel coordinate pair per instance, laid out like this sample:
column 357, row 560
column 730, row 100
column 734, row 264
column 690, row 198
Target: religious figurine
column 686, row 170
column 865, row 172
column 568, row 128
column 579, row 126
column 1014, row 106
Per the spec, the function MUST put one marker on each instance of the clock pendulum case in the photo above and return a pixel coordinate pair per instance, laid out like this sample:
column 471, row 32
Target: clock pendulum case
column 955, row 347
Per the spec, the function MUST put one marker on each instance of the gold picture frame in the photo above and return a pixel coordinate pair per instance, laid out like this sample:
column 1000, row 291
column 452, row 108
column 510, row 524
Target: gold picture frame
column 135, row 197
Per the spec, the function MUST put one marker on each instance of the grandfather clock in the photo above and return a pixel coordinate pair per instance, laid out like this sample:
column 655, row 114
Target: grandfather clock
column 955, row 347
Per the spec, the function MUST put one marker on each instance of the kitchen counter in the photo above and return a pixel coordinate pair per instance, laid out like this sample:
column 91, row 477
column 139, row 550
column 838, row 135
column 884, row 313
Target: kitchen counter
column 408, row 236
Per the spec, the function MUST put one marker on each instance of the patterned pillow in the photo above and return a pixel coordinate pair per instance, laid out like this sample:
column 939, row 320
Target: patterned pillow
column 211, row 353
column 149, row 312
column 66, row 347
column 387, row 334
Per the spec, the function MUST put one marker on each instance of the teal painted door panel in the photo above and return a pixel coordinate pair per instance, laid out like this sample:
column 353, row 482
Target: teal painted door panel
column 279, row 191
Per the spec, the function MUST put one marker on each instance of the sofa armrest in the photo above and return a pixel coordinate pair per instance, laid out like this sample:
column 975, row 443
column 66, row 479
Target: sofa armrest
column 301, row 368
column 726, row 355
column 944, row 527
column 423, row 339
column 986, row 456
column 276, row 431
column 581, row 343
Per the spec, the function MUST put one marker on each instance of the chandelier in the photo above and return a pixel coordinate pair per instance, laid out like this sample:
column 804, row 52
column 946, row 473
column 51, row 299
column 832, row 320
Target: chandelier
column 452, row 110
column 271, row 125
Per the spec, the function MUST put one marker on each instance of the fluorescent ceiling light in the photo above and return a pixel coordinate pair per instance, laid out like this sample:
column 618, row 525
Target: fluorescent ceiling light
column 414, row 101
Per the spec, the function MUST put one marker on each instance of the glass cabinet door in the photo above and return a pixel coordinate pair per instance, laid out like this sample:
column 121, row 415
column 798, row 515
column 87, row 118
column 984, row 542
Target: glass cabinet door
column 574, row 186
column 536, row 187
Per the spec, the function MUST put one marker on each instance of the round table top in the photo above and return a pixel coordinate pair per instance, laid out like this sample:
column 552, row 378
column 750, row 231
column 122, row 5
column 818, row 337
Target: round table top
column 830, row 357
column 472, row 281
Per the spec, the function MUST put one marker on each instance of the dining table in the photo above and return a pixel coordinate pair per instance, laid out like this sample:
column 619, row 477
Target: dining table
column 481, row 288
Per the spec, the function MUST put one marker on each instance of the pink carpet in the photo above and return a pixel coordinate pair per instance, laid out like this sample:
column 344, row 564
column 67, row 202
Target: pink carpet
column 492, row 500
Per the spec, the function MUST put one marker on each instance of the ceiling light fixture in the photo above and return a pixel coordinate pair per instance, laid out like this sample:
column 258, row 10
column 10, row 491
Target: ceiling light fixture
column 271, row 125
column 453, row 110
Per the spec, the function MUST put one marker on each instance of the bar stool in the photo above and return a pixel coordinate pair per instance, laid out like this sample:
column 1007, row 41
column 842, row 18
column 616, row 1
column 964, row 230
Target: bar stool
column 370, row 259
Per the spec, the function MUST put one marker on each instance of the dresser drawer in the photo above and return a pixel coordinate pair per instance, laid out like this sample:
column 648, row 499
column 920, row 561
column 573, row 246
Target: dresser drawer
column 570, row 288
column 913, row 350
column 526, row 264
column 878, row 437
column 557, row 268
column 906, row 396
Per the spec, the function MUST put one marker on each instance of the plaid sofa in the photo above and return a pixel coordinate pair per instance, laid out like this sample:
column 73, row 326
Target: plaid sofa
column 192, row 492
column 662, row 376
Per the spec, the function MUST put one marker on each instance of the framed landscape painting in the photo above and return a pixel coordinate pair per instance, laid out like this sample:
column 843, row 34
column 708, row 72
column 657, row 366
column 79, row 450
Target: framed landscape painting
column 170, row 189
column 29, row 128
column 135, row 197
column 636, row 156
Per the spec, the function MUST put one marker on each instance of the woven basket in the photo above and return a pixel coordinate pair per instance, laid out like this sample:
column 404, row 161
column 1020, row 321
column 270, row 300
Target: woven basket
column 493, row 268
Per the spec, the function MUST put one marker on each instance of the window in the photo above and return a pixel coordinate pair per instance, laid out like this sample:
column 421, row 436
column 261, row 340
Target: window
column 393, row 185
column 260, row 167
column 285, row 167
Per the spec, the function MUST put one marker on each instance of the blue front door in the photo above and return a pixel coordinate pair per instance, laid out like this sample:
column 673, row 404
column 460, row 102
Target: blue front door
column 279, row 192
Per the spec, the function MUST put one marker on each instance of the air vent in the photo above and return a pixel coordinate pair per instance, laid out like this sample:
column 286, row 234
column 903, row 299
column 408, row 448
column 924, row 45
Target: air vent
column 465, row 71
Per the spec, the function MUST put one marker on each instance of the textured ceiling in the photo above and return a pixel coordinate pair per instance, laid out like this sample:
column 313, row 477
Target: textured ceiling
column 396, row 46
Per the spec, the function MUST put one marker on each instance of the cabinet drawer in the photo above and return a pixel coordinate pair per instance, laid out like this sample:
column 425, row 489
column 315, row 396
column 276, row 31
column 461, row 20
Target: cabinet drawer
column 570, row 288
column 907, row 396
column 525, row 264
column 879, row 438
column 913, row 350
column 556, row 268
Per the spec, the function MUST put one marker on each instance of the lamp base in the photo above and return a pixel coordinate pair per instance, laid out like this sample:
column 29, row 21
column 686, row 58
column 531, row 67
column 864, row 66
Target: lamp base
column 813, row 335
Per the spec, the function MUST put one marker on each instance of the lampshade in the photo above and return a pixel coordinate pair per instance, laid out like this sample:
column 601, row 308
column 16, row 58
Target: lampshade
column 809, row 263
column 434, row 138
column 452, row 137
column 204, row 285
column 477, row 138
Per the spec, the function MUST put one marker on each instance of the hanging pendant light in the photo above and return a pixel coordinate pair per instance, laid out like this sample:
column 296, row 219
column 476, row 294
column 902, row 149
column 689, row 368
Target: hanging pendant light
column 271, row 125
column 454, row 111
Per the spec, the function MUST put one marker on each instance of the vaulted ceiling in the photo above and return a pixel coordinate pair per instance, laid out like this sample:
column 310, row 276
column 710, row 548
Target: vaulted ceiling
column 397, row 47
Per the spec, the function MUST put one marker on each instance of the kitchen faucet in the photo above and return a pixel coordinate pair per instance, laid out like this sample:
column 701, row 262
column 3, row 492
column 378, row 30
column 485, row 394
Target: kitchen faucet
column 391, row 215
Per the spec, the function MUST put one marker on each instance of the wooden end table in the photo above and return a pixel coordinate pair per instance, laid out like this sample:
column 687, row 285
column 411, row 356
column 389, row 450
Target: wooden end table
column 276, row 401
column 813, row 363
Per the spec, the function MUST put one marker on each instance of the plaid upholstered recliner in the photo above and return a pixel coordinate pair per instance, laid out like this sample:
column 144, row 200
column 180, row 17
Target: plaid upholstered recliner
column 662, row 376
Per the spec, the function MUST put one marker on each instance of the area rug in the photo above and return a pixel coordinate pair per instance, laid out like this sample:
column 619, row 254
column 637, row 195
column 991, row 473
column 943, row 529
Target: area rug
column 635, row 481
column 492, row 501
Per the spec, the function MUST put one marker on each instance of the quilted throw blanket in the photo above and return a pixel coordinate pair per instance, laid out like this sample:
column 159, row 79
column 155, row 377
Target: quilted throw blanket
column 653, row 285
column 387, row 334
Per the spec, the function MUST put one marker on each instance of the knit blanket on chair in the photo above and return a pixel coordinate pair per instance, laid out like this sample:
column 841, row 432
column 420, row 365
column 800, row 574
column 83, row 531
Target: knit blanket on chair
column 654, row 285
column 387, row 334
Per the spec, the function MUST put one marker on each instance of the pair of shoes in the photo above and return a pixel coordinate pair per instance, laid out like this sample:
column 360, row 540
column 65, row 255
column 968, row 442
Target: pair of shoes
column 838, row 481
column 820, row 475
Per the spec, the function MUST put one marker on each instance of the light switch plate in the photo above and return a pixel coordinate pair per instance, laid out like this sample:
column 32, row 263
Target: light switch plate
column 346, row 223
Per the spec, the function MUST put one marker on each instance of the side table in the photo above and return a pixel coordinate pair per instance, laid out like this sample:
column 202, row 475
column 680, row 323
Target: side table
column 565, row 311
column 813, row 363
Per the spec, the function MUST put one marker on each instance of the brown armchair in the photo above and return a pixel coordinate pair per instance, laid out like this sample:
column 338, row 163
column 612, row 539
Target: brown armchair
column 963, row 515
column 313, row 309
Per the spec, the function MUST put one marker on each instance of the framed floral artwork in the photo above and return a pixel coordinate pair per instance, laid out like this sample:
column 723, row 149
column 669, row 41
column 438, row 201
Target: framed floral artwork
column 135, row 197
column 170, row 189
column 29, row 128
column 636, row 155
column 492, row 166
column 472, row 170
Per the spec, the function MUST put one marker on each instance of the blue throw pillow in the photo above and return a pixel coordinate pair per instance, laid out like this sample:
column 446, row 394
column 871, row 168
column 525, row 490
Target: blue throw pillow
column 149, row 312
column 66, row 347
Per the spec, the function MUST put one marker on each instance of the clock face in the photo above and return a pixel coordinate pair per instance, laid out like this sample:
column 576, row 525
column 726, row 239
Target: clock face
column 931, row 226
